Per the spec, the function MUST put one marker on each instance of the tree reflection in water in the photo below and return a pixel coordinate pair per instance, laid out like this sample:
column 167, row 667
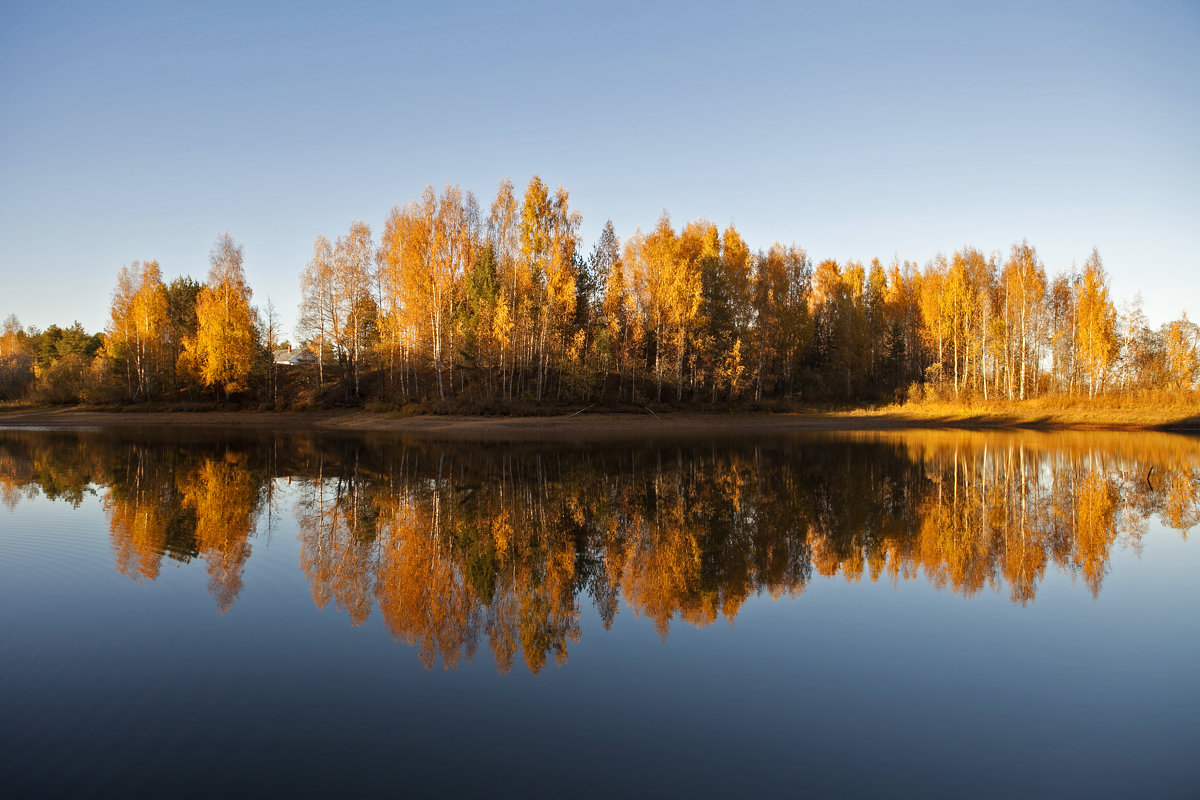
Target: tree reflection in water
column 456, row 543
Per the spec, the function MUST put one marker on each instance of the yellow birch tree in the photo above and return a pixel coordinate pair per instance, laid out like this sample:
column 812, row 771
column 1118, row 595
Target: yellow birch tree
column 224, row 346
column 1097, row 337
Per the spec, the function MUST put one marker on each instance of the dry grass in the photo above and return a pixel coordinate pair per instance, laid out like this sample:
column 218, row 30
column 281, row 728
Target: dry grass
column 1113, row 411
column 1153, row 410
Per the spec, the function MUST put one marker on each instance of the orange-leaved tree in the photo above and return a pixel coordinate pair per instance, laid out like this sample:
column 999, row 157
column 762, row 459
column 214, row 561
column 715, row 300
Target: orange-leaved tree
column 222, row 352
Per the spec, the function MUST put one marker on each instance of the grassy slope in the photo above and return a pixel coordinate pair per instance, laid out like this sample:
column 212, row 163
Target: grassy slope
column 1149, row 410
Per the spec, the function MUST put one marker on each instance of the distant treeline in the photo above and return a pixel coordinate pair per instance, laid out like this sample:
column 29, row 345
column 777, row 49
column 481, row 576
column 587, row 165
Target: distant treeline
column 456, row 304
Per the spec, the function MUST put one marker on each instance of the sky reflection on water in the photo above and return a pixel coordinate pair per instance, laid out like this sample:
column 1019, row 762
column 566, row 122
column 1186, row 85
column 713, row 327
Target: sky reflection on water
column 896, row 613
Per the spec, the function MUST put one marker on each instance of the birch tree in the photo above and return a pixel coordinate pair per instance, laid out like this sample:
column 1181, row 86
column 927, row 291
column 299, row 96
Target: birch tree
column 1097, row 334
column 225, row 342
column 319, row 319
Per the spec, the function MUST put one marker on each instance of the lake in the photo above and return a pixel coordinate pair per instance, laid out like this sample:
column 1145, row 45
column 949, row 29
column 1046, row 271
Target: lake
column 931, row 613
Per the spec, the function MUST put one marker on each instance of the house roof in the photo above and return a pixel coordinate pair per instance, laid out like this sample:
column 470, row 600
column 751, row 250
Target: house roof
column 298, row 355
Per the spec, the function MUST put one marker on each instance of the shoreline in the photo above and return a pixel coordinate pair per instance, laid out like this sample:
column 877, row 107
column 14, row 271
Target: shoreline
column 570, row 426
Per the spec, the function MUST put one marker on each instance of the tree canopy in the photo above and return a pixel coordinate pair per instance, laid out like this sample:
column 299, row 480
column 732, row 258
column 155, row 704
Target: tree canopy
column 499, row 306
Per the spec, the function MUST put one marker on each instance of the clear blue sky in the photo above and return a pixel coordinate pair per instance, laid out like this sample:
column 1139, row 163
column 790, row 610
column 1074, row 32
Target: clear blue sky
column 142, row 130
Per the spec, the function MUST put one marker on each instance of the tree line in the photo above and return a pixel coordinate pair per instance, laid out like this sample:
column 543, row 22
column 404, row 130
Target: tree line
column 456, row 303
column 453, row 547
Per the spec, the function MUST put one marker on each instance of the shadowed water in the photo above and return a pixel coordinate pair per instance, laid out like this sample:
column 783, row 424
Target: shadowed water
column 933, row 613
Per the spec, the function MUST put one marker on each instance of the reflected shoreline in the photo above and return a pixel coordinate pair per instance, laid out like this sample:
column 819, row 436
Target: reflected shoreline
column 454, row 544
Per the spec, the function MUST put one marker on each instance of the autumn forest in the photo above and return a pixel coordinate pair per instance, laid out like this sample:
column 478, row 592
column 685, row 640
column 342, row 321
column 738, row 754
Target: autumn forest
column 456, row 305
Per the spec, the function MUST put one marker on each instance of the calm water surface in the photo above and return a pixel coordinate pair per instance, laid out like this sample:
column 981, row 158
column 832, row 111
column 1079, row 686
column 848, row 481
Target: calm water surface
column 924, row 614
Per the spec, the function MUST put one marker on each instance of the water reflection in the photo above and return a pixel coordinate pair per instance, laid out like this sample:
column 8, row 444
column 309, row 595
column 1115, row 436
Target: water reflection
column 456, row 545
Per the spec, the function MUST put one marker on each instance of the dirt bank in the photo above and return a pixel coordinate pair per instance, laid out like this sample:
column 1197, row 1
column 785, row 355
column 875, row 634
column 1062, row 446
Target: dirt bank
column 589, row 426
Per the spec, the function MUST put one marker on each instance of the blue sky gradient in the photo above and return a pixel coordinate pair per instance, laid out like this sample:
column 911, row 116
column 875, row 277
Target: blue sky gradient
column 142, row 130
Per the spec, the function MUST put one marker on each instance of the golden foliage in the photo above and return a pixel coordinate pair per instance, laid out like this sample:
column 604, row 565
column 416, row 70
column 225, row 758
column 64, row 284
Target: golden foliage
column 222, row 352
